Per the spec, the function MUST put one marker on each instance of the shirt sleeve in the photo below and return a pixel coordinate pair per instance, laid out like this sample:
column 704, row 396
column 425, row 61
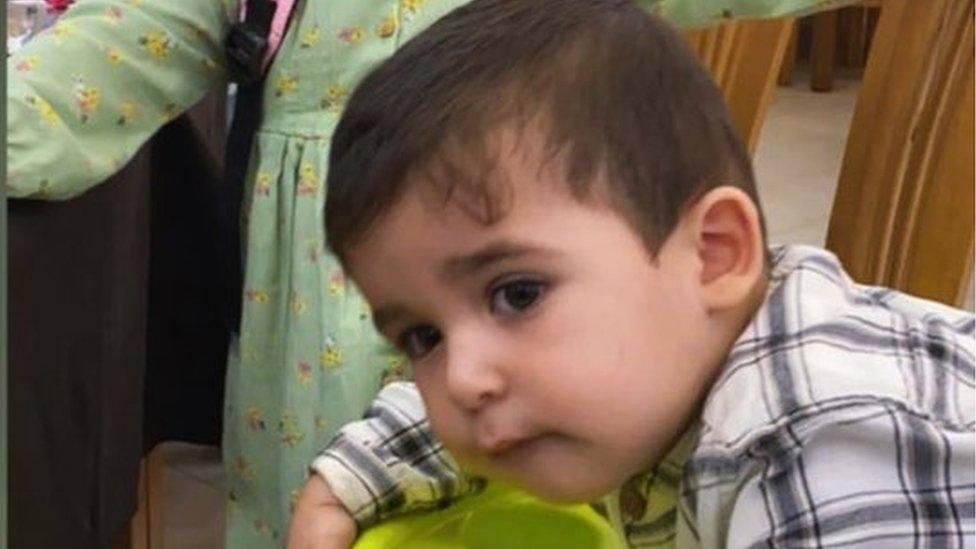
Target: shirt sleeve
column 390, row 462
column 85, row 94
column 700, row 13
column 886, row 477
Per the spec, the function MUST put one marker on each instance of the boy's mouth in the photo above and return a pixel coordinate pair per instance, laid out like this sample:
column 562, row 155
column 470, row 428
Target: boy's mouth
column 504, row 446
column 492, row 442
column 492, row 447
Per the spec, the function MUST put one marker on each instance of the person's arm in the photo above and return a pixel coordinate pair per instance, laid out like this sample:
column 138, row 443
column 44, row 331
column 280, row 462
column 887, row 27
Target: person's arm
column 702, row 13
column 391, row 463
column 884, row 477
column 83, row 95
column 375, row 469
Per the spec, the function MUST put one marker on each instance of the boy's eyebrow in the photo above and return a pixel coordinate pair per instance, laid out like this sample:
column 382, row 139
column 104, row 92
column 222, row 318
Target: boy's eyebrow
column 467, row 264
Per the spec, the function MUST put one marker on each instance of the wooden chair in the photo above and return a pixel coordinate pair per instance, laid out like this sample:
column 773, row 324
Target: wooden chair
column 903, row 212
column 744, row 57
column 854, row 27
column 147, row 529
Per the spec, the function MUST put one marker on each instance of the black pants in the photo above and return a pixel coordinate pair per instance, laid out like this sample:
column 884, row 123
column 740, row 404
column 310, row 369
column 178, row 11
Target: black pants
column 116, row 339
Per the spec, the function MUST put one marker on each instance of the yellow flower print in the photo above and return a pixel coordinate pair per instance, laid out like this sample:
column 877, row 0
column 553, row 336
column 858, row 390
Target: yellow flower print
column 127, row 112
column 113, row 15
column 290, row 434
column 411, row 7
column 364, row 311
column 387, row 27
column 351, row 35
column 117, row 162
column 285, row 84
column 293, row 500
column 308, row 180
column 304, row 372
column 396, row 370
column 335, row 97
column 311, row 37
column 47, row 112
column 133, row 2
column 244, row 467
column 168, row 113
column 261, row 527
column 209, row 64
column 244, row 347
column 337, row 283
column 60, row 31
column 231, row 503
column 114, row 55
column 158, row 44
column 298, row 303
column 255, row 419
column 262, row 184
column 319, row 422
column 331, row 356
column 28, row 63
column 255, row 295
column 86, row 97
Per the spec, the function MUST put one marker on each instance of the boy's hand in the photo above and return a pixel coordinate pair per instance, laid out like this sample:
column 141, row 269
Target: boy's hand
column 320, row 521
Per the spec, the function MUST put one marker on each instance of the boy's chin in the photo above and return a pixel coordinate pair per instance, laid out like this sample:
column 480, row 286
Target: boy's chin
column 568, row 489
column 561, row 476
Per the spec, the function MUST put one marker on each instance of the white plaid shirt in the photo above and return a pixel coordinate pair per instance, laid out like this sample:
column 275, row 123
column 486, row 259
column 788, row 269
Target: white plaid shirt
column 844, row 416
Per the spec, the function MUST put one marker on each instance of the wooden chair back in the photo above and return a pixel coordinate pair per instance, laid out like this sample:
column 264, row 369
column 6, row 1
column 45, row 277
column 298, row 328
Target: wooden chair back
column 903, row 212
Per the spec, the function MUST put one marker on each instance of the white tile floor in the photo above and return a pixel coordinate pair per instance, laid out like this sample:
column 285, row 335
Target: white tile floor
column 798, row 159
column 797, row 164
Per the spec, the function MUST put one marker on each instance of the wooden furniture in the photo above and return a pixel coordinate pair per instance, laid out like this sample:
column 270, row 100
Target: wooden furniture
column 903, row 212
column 829, row 39
column 744, row 57
column 147, row 530
column 823, row 51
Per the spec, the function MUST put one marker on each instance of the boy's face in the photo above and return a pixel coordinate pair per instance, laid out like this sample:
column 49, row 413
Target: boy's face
column 550, row 349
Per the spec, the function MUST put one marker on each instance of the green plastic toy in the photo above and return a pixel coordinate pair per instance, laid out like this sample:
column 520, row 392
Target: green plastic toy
column 498, row 518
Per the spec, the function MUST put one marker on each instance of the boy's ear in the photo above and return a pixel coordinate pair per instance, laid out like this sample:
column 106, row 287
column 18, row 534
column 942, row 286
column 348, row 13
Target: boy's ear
column 725, row 227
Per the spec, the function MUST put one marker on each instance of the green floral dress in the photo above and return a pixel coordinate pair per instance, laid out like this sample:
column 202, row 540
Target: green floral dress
column 84, row 95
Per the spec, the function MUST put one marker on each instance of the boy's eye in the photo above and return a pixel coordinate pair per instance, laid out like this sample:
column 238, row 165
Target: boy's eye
column 417, row 341
column 516, row 296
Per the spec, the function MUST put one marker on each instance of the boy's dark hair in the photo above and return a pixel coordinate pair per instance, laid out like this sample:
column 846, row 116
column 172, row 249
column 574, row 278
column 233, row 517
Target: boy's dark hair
column 616, row 93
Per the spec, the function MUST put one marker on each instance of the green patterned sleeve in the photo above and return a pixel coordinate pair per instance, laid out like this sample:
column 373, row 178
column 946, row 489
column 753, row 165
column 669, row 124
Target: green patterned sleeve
column 83, row 95
column 702, row 13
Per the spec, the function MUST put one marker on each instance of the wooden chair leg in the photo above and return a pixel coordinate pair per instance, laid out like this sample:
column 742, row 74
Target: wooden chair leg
column 147, row 528
column 789, row 60
column 156, row 497
column 823, row 50
column 139, row 526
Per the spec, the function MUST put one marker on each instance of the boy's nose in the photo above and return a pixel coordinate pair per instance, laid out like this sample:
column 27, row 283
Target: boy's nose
column 473, row 377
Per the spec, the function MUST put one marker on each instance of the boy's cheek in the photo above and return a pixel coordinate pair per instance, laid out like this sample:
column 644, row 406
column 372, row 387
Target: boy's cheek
column 446, row 427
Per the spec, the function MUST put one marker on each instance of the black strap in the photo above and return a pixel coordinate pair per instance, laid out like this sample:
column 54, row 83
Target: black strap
column 247, row 42
column 245, row 47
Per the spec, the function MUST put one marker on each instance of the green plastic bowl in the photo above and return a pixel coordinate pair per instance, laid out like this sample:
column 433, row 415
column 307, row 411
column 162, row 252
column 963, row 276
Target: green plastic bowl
column 499, row 517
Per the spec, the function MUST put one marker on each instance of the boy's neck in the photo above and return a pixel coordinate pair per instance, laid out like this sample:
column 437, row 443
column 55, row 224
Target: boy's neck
column 733, row 323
